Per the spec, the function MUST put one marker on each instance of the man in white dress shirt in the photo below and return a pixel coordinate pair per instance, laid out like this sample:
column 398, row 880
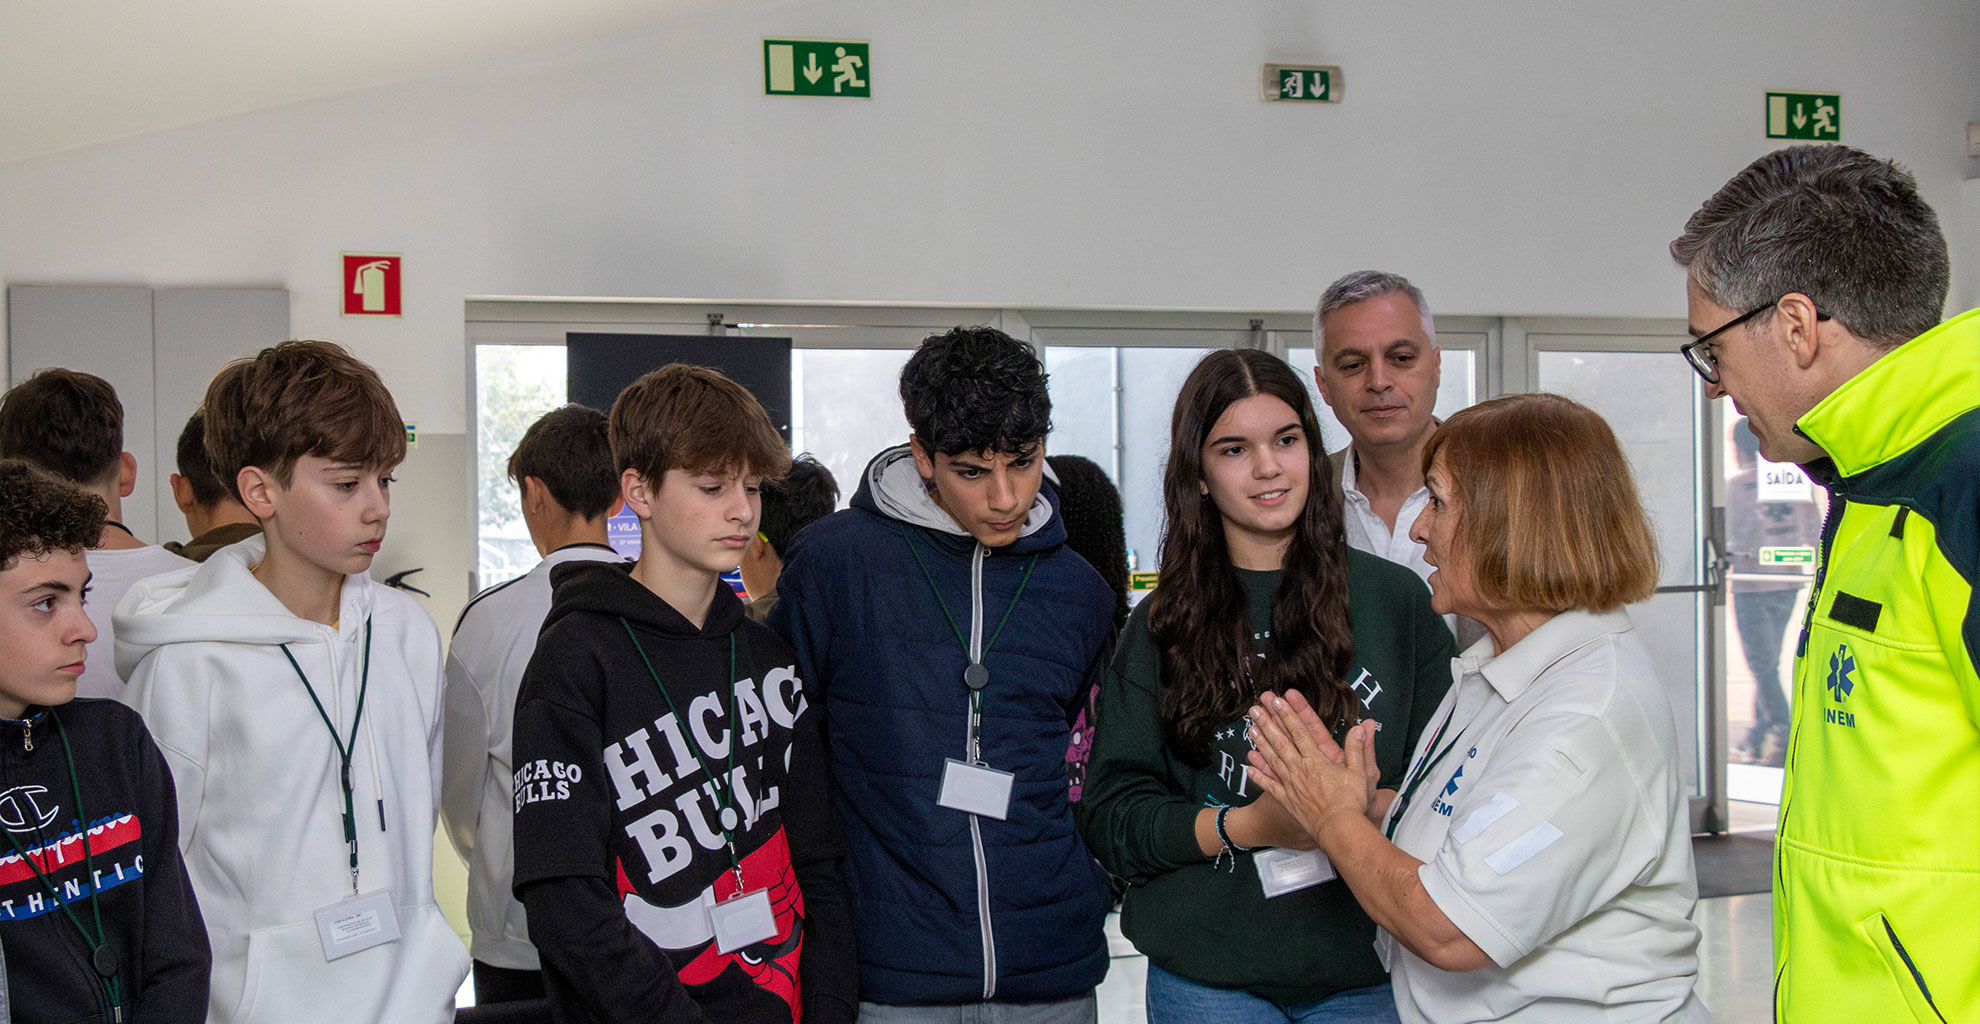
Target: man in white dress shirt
column 1377, row 363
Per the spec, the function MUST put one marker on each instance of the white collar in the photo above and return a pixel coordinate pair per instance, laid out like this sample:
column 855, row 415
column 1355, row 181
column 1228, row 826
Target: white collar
column 1512, row 672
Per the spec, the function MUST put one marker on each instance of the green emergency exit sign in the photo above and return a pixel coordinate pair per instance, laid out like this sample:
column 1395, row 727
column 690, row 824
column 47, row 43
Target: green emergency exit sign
column 817, row 67
column 1313, row 83
column 1804, row 115
column 1787, row 556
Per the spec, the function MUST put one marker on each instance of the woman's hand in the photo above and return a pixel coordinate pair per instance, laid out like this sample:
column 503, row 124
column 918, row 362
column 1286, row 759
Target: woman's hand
column 1266, row 822
column 1299, row 764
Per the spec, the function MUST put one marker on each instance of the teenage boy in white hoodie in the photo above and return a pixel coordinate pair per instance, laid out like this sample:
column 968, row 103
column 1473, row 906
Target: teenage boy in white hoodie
column 298, row 704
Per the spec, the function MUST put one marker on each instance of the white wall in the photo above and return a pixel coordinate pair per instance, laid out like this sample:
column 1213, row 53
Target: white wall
column 1521, row 159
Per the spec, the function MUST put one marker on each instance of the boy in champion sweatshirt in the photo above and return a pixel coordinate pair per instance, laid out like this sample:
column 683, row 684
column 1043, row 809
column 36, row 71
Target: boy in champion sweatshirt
column 298, row 704
column 98, row 919
column 676, row 848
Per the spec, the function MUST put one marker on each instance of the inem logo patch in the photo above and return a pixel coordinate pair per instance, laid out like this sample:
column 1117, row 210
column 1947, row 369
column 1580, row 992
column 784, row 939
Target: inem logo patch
column 1842, row 669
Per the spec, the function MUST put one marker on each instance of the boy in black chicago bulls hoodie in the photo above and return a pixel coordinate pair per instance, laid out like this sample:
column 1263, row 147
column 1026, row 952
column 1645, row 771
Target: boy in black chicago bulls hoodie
column 676, row 848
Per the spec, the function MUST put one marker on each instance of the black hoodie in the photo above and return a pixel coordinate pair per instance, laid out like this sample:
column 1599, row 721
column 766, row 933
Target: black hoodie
column 618, row 838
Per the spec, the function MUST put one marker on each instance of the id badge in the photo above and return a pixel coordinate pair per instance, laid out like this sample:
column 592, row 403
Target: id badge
column 1284, row 871
column 357, row 924
column 742, row 921
column 976, row 789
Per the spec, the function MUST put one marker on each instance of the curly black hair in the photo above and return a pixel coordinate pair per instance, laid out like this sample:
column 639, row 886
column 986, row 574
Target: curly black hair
column 40, row 512
column 976, row 389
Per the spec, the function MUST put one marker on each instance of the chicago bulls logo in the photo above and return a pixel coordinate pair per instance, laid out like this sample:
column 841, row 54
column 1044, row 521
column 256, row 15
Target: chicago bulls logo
column 772, row 964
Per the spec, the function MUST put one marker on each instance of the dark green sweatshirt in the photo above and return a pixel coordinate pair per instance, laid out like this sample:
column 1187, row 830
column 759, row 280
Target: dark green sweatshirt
column 1215, row 926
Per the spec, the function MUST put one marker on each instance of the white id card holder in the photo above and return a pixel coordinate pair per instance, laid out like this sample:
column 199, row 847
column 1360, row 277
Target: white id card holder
column 357, row 924
column 976, row 789
column 1284, row 871
column 742, row 921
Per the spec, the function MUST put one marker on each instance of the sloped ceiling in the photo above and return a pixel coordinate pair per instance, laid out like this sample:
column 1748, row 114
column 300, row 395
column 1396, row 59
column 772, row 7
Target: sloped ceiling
column 79, row 72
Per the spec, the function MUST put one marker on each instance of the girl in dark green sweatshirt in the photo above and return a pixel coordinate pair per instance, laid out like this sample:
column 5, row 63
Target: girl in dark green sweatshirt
column 1241, row 918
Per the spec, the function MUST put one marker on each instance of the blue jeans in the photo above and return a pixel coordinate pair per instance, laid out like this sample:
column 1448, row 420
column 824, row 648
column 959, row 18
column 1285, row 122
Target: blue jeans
column 1178, row 1000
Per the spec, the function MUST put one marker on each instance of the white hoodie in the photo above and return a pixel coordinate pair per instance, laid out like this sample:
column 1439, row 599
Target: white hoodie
column 260, row 803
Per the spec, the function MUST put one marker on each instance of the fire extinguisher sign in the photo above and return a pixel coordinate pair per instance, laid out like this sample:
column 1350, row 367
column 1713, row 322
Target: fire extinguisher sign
column 371, row 284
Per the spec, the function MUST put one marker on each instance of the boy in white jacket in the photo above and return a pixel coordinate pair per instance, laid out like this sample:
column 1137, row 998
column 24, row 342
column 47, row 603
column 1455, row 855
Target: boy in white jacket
column 298, row 705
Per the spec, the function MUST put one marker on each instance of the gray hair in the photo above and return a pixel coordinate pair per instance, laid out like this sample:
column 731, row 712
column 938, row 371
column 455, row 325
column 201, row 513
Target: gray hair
column 1836, row 224
column 1361, row 286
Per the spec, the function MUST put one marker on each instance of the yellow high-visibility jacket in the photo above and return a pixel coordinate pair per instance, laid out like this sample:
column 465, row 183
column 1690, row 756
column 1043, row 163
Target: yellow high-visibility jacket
column 1877, row 870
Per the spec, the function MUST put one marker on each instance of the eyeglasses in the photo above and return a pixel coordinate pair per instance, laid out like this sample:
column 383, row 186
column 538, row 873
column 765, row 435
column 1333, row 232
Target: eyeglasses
column 1699, row 353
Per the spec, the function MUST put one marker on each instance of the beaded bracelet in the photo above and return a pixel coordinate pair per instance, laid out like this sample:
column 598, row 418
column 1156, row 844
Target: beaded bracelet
column 1229, row 848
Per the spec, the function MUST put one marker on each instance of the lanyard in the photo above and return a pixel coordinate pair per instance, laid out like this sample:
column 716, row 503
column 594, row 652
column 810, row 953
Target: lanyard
column 102, row 955
column 345, row 750
column 1423, row 768
column 975, row 675
column 724, row 800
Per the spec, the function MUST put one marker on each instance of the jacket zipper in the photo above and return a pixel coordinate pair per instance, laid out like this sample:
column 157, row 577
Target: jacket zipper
column 975, row 754
column 1831, row 525
column 1916, row 977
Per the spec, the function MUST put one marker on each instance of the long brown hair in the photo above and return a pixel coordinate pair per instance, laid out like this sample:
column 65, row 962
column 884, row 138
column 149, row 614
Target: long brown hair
column 1196, row 617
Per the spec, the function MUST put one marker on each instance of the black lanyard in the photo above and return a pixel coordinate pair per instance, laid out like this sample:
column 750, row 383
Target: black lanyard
column 345, row 750
column 727, row 817
column 102, row 955
column 1431, row 758
column 975, row 675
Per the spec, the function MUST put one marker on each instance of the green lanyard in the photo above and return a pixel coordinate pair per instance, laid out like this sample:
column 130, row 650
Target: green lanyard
column 102, row 955
column 725, row 805
column 345, row 750
column 975, row 676
column 1424, row 768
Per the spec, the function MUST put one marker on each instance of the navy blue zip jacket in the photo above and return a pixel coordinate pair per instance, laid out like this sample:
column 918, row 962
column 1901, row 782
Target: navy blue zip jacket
column 950, row 907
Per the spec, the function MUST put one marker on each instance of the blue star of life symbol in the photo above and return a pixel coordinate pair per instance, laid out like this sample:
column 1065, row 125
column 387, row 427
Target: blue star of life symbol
column 1841, row 664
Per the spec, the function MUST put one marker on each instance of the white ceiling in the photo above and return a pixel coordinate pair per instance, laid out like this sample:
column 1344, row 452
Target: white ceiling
column 78, row 72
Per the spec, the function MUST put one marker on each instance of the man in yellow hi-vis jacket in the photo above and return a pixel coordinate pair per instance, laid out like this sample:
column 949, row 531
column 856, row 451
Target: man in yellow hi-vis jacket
column 1817, row 277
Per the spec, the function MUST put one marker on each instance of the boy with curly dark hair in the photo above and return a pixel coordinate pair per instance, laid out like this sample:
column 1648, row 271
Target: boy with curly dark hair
column 97, row 916
column 951, row 637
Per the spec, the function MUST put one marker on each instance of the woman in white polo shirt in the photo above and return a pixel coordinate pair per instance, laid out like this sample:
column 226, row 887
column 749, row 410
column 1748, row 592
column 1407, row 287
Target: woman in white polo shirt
column 1536, row 862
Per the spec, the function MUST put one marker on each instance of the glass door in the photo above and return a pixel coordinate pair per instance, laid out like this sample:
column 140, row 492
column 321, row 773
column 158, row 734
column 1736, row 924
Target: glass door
column 1774, row 519
column 1655, row 404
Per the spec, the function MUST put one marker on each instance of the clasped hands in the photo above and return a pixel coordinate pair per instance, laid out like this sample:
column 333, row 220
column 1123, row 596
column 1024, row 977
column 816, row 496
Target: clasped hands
column 1296, row 761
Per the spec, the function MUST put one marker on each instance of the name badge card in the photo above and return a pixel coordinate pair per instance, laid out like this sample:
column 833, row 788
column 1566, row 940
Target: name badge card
column 357, row 924
column 976, row 789
column 1284, row 871
column 743, row 920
